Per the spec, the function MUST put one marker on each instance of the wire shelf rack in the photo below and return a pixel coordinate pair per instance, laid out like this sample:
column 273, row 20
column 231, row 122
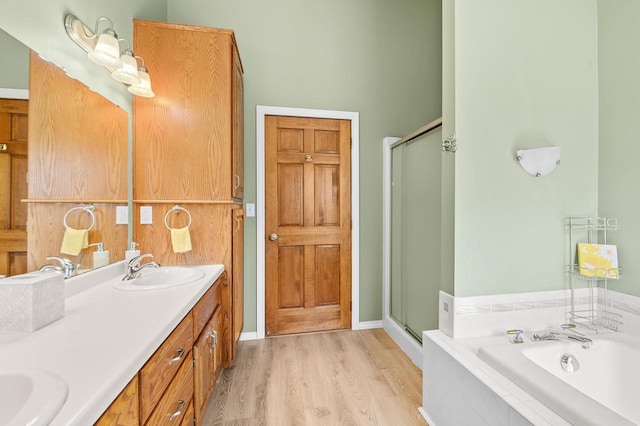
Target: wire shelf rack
column 593, row 312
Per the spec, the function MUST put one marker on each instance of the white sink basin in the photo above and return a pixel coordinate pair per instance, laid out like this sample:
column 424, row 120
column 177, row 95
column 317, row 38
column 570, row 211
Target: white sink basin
column 163, row 277
column 30, row 397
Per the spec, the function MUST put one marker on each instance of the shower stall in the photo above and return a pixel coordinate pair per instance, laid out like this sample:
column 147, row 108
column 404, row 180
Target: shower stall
column 417, row 233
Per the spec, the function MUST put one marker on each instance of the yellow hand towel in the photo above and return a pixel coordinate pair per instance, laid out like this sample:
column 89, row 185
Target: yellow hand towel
column 74, row 241
column 181, row 240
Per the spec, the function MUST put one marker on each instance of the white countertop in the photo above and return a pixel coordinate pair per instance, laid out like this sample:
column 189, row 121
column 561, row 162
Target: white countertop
column 104, row 338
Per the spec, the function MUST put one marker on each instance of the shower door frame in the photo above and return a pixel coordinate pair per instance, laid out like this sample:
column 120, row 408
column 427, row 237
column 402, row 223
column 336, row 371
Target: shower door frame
column 407, row 343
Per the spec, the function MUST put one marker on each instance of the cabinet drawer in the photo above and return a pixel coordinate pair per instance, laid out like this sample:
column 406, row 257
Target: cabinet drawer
column 188, row 419
column 163, row 365
column 206, row 306
column 175, row 401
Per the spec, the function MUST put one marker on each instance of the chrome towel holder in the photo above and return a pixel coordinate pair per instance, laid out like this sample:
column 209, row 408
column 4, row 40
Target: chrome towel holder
column 88, row 208
column 176, row 209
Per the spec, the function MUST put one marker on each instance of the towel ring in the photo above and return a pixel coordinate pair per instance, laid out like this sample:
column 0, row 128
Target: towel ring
column 176, row 209
column 88, row 209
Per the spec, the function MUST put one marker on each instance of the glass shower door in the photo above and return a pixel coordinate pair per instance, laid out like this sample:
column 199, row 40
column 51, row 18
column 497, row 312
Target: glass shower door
column 416, row 195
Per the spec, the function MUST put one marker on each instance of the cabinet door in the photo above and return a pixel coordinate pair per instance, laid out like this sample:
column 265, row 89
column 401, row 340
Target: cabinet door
column 237, row 278
column 237, row 149
column 203, row 357
column 219, row 358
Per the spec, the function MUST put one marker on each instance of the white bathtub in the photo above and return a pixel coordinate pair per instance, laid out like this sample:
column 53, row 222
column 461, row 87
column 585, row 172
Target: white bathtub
column 603, row 391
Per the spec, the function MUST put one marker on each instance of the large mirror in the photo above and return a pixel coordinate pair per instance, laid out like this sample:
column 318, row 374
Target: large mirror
column 80, row 160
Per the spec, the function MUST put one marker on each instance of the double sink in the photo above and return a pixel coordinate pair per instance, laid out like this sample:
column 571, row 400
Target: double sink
column 34, row 397
column 30, row 397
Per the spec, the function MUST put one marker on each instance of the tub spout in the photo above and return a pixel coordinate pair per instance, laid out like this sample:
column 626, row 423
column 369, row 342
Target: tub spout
column 567, row 334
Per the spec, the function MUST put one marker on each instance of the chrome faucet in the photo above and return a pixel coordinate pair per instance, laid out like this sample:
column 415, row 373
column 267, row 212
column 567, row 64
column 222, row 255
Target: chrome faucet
column 67, row 267
column 134, row 267
column 567, row 333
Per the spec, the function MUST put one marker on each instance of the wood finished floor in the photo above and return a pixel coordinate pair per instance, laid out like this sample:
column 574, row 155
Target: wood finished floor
column 334, row 378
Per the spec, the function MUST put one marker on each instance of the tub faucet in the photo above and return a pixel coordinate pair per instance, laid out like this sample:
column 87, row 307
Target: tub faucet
column 134, row 267
column 67, row 267
column 567, row 333
column 517, row 335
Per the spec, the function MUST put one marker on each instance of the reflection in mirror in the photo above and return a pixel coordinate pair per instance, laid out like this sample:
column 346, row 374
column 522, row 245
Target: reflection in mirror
column 14, row 81
column 76, row 155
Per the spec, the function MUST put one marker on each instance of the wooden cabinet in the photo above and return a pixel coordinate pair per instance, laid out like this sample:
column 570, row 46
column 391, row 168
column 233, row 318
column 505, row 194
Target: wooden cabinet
column 163, row 365
column 189, row 418
column 238, row 128
column 192, row 131
column 175, row 401
column 188, row 150
column 207, row 349
column 124, row 410
column 176, row 383
column 237, row 286
column 203, row 363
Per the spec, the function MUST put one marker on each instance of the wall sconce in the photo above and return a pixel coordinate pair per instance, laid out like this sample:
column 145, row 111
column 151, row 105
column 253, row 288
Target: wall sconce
column 539, row 161
column 104, row 50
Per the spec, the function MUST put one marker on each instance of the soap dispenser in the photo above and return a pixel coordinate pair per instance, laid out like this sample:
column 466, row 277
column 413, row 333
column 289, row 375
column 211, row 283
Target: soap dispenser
column 132, row 252
column 100, row 256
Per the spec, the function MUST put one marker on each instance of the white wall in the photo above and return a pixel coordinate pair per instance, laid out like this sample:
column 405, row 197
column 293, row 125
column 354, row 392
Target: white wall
column 525, row 77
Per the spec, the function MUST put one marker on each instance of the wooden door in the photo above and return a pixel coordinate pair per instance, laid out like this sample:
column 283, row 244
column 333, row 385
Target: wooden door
column 308, row 224
column 13, row 186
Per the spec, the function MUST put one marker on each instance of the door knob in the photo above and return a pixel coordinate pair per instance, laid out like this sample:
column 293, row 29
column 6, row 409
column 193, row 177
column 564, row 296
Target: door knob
column 273, row 237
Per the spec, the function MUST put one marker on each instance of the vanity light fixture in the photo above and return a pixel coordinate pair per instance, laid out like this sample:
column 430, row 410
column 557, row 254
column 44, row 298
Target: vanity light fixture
column 144, row 87
column 539, row 161
column 104, row 50
column 128, row 72
column 107, row 50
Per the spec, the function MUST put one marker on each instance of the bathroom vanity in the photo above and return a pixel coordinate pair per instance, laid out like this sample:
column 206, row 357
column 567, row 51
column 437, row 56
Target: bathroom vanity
column 129, row 357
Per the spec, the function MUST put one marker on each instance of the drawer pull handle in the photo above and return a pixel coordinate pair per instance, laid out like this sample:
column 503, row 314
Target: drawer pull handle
column 214, row 339
column 178, row 413
column 178, row 358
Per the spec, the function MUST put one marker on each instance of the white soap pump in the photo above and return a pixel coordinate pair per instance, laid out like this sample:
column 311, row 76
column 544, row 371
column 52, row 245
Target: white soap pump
column 132, row 252
column 100, row 256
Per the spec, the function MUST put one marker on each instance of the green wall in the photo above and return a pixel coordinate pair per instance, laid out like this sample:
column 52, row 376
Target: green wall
column 39, row 24
column 619, row 173
column 15, row 63
column 525, row 76
column 376, row 57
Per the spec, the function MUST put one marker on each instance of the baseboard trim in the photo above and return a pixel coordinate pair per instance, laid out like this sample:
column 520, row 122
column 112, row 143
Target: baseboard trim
column 426, row 416
column 368, row 325
column 250, row 335
column 408, row 344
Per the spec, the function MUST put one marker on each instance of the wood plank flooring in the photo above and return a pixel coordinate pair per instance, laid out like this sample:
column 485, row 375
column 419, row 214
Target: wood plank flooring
column 333, row 378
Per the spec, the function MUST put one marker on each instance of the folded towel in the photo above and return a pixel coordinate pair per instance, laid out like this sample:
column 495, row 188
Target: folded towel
column 74, row 241
column 181, row 240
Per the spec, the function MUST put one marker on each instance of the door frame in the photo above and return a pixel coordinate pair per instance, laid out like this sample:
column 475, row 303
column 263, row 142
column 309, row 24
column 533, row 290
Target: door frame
column 354, row 117
column 14, row 93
